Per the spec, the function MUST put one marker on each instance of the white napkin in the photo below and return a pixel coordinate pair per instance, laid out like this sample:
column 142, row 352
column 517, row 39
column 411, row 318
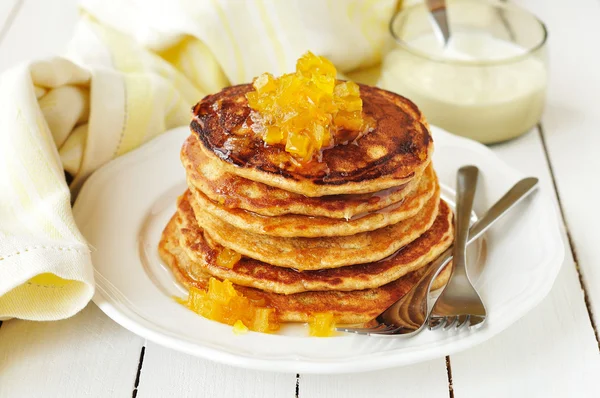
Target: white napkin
column 133, row 71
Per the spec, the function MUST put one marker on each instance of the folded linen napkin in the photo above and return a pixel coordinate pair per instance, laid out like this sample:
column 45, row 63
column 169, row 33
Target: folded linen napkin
column 133, row 70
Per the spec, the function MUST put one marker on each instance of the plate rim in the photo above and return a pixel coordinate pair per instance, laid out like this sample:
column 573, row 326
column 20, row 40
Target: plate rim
column 366, row 362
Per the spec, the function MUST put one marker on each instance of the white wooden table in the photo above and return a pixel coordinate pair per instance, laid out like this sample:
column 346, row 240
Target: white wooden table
column 552, row 352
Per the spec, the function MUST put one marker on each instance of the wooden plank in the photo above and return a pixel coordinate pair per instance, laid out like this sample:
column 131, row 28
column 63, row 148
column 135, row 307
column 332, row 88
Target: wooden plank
column 40, row 29
column 87, row 355
column 572, row 126
column 549, row 353
column 427, row 379
column 170, row 373
column 552, row 351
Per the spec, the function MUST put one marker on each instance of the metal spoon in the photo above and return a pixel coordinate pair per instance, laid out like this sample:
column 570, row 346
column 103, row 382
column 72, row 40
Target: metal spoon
column 408, row 315
column 437, row 9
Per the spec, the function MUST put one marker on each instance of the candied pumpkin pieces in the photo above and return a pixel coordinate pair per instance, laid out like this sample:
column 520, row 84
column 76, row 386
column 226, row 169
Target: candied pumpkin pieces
column 308, row 110
column 321, row 324
column 222, row 303
column 239, row 327
column 228, row 258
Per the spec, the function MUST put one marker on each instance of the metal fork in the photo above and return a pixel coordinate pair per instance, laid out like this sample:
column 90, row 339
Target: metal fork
column 460, row 304
column 407, row 316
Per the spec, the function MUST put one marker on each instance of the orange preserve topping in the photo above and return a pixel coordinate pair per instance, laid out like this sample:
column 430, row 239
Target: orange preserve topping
column 307, row 110
column 222, row 303
column 321, row 324
column 228, row 258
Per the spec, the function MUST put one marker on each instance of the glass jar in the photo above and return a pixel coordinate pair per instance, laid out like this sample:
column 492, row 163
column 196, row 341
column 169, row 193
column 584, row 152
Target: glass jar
column 488, row 83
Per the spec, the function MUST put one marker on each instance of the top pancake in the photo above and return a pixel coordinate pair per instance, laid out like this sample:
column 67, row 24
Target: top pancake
column 234, row 192
column 397, row 147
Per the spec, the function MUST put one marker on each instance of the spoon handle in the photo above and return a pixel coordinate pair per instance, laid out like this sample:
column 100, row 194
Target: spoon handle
column 437, row 9
column 515, row 195
column 411, row 311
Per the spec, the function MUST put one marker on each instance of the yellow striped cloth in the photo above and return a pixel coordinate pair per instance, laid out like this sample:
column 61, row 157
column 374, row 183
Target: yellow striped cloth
column 132, row 71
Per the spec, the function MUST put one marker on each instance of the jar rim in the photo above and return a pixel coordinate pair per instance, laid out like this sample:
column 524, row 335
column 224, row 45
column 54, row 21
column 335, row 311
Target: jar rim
column 490, row 62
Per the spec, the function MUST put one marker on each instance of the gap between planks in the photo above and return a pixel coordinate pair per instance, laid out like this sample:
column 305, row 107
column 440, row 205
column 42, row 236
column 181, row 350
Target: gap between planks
column 582, row 283
column 7, row 25
column 449, row 370
column 139, row 372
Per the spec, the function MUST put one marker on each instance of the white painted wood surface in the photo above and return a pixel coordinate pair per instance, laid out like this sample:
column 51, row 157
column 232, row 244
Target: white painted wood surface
column 571, row 125
column 426, row 380
column 86, row 356
column 39, row 29
column 551, row 352
column 170, row 373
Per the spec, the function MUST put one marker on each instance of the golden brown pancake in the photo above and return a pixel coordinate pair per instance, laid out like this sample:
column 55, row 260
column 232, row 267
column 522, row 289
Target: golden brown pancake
column 358, row 306
column 234, row 192
column 253, row 273
column 292, row 225
column 319, row 253
column 397, row 147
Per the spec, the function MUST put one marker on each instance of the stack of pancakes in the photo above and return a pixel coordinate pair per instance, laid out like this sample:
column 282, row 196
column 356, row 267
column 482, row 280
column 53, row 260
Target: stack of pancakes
column 348, row 234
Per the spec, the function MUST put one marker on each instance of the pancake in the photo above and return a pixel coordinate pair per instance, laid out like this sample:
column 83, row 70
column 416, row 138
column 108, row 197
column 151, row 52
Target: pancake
column 291, row 225
column 253, row 273
column 397, row 147
column 358, row 306
column 234, row 192
column 319, row 253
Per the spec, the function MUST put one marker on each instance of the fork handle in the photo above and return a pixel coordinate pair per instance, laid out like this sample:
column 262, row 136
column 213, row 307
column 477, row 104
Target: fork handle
column 466, row 185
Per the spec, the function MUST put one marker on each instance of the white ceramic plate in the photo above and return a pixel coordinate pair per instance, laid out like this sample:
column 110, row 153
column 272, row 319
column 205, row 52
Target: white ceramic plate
column 123, row 207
